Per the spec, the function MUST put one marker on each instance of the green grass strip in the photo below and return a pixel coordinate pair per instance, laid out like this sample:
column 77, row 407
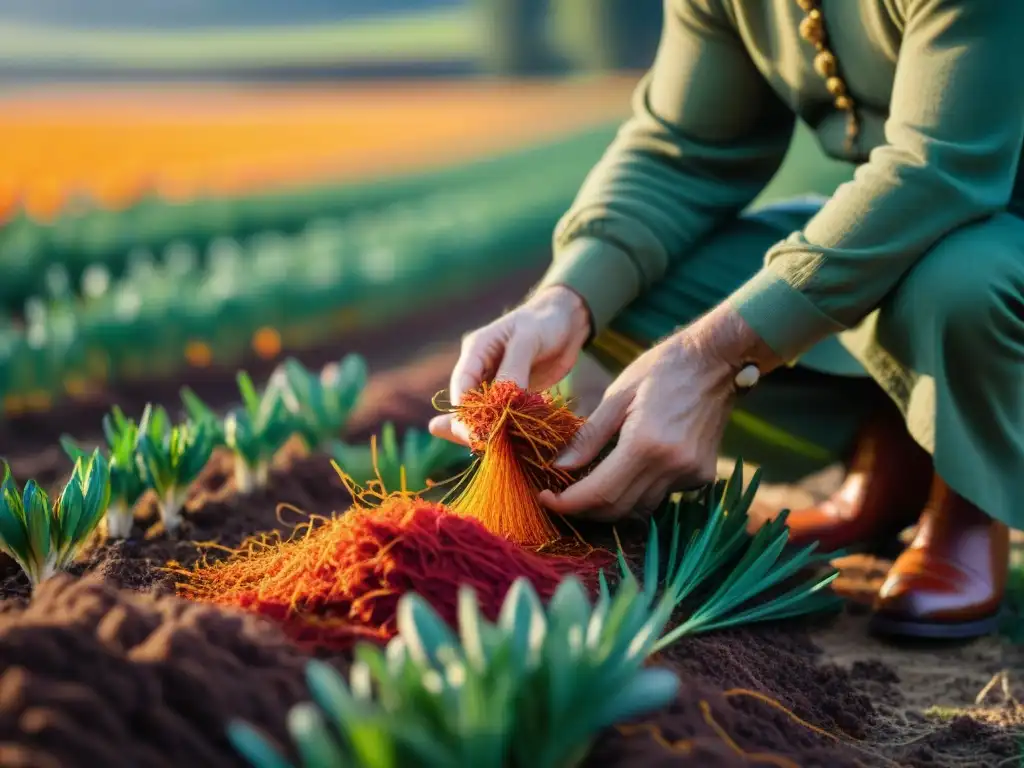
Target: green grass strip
column 433, row 35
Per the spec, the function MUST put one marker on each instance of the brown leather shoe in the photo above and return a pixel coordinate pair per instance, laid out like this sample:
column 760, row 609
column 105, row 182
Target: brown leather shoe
column 885, row 489
column 950, row 581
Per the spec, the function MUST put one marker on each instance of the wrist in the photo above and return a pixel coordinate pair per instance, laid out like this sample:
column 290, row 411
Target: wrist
column 729, row 344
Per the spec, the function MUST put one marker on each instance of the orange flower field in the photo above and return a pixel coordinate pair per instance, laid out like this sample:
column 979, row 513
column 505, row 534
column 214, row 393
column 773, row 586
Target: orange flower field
column 116, row 145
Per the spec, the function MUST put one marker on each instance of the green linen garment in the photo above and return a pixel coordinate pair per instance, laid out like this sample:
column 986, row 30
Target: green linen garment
column 912, row 272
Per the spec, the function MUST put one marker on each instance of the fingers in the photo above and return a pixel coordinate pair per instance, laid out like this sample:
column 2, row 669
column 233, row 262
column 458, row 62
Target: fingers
column 447, row 427
column 517, row 360
column 480, row 352
column 637, row 475
column 611, row 490
column 596, row 432
column 654, row 496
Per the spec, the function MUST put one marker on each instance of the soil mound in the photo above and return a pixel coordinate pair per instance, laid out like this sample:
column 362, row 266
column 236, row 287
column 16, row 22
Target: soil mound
column 96, row 676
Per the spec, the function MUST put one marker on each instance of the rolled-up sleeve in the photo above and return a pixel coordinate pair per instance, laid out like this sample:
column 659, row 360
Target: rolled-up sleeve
column 706, row 135
column 952, row 147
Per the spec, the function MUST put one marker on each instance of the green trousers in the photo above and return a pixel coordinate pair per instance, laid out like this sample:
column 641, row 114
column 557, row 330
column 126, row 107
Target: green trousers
column 946, row 346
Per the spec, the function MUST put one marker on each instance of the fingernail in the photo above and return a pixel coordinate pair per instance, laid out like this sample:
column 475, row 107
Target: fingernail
column 566, row 460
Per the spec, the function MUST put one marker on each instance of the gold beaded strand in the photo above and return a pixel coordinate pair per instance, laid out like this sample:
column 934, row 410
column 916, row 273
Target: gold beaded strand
column 812, row 29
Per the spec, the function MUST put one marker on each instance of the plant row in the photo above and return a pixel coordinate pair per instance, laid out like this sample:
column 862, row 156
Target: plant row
column 161, row 456
column 296, row 291
column 534, row 688
column 71, row 251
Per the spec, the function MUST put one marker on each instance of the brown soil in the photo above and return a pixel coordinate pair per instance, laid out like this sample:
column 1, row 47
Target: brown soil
column 98, row 676
column 120, row 673
column 954, row 700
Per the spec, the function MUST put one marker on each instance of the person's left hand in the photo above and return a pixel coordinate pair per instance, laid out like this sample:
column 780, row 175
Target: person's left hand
column 670, row 408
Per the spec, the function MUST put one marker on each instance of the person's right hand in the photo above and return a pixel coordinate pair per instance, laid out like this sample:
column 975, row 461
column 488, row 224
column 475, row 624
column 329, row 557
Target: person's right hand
column 535, row 345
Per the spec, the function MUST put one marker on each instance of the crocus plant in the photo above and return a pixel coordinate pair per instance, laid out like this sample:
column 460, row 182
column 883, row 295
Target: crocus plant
column 406, row 465
column 126, row 482
column 256, row 431
column 170, row 457
column 320, row 403
column 200, row 413
column 531, row 690
column 720, row 573
column 45, row 538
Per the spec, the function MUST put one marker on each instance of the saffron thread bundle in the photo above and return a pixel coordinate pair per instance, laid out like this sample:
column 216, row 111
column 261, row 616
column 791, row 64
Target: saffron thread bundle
column 517, row 436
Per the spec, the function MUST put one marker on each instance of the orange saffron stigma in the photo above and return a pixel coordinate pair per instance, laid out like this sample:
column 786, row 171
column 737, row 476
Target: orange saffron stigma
column 338, row 580
column 516, row 435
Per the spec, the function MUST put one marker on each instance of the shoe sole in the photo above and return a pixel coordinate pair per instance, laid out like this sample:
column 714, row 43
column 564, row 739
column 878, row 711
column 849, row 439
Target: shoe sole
column 889, row 626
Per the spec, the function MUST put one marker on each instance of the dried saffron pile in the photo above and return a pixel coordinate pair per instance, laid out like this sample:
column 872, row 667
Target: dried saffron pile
column 340, row 580
column 516, row 435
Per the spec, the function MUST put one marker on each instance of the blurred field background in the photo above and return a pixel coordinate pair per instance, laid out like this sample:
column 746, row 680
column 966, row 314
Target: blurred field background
column 203, row 184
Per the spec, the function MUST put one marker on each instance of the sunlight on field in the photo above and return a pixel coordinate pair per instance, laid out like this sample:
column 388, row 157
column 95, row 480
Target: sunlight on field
column 113, row 144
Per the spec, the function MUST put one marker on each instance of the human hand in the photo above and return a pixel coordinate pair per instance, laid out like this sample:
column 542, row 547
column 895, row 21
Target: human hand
column 535, row 345
column 669, row 408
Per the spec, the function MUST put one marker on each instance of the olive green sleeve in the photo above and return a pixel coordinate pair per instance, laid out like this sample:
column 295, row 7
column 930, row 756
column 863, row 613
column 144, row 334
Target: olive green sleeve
column 706, row 135
column 953, row 144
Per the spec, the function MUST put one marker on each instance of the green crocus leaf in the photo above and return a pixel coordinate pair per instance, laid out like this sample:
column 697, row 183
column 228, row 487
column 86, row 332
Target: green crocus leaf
column 255, row 748
column 94, row 480
column 312, row 738
column 115, row 424
column 154, row 463
column 37, row 516
column 344, row 384
column 251, row 400
column 646, row 690
column 70, row 512
column 523, row 624
column 192, row 447
column 240, row 436
column 330, row 691
column 80, row 507
column 155, row 423
column 124, row 459
column 425, row 632
column 200, row 413
column 14, row 539
column 126, row 482
column 72, row 449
